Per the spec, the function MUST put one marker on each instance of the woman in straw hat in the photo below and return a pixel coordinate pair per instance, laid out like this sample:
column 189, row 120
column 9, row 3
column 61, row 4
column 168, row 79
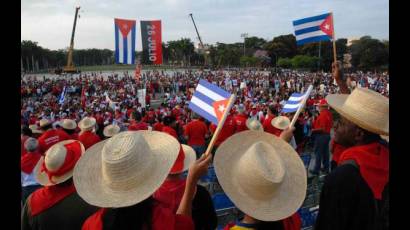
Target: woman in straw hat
column 355, row 195
column 171, row 191
column 87, row 135
column 56, row 205
column 69, row 126
column 121, row 174
column 266, row 179
column 50, row 136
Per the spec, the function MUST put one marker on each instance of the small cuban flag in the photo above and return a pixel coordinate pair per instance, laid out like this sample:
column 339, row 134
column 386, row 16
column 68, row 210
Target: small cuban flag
column 294, row 102
column 209, row 101
column 62, row 97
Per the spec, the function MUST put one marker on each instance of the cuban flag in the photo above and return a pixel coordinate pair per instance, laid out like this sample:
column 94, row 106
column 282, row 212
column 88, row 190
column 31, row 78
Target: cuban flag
column 294, row 102
column 209, row 101
column 62, row 97
column 124, row 41
column 314, row 29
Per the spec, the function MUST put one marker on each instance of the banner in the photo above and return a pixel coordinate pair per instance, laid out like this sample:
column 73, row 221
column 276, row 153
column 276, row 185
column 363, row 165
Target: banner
column 124, row 41
column 151, row 42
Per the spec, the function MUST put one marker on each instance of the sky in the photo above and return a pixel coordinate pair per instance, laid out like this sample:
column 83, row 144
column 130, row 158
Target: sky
column 50, row 22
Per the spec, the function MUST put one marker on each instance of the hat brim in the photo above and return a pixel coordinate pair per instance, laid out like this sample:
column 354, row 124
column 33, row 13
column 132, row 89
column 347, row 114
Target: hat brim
column 189, row 159
column 337, row 101
column 248, row 125
column 110, row 134
column 90, row 185
column 278, row 125
column 42, row 177
column 87, row 127
column 290, row 194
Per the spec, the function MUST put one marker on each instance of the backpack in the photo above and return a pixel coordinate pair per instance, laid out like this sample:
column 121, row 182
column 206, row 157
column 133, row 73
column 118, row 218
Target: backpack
column 381, row 221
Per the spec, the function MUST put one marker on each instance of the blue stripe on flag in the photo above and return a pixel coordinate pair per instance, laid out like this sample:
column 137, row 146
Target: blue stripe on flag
column 204, row 98
column 307, row 30
column 289, row 110
column 133, row 44
column 203, row 113
column 310, row 19
column 125, row 46
column 297, row 94
column 117, row 52
column 292, row 102
column 214, row 88
column 314, row 39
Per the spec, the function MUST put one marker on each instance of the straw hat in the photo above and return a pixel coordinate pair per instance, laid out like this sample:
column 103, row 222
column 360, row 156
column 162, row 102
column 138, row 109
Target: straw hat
column 35, row 129
column 189, row 159
column 280, row 122
column 87, row 123
column 54, row 159
column 44, row 122
column 386, row 138
column 266, row 178
column 68, row 124
column 125, row 169
column 111, row 130
column 365, row 108
column 254, row 124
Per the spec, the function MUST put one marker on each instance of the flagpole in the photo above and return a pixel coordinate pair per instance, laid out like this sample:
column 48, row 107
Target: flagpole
column 302, row 105
column 220, row 124
column 334, row 40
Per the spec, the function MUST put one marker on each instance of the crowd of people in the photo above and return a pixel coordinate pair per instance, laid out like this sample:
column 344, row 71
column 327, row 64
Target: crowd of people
column 97, row 155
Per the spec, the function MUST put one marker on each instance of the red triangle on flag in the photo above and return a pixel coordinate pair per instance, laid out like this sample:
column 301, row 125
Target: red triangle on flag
column 220, row 107
column 327, row 26
column 124, row 26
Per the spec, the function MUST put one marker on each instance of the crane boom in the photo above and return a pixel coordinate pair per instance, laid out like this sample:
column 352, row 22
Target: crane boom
column 199, row 37
column 70, row 66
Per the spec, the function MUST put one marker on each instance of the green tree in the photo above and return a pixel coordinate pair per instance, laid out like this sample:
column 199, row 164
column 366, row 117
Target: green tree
column 369, row 54
column 285, row 63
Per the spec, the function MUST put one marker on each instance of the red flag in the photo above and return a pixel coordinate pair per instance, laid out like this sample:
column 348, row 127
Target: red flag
column 83, row 97
column 138, row 72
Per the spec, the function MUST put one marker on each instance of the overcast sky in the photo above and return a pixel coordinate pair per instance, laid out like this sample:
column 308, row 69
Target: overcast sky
column 49, row 22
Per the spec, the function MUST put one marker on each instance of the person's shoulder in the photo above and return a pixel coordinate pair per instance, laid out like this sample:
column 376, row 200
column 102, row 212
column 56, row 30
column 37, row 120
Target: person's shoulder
column 344, row 174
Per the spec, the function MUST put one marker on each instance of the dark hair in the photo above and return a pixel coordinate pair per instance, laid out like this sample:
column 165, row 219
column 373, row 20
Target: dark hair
column 168, row 120
column 69, row 131
column 369, row 137
column 26, row 131
column 46, row 127
column 133, row 217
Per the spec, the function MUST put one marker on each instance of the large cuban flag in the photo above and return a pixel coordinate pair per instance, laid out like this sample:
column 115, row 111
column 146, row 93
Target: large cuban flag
column 209, row 101
column 124, row 41
column 314, row 29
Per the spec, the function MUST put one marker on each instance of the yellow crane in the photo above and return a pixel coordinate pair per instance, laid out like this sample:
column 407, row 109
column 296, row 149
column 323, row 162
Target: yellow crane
column 70, row 65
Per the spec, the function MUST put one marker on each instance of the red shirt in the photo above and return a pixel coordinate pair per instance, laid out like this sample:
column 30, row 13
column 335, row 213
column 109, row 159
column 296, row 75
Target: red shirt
column 88, row 139
column 158, row 126
column 138, row 126
column 196, row 131
column 324, row 121
column 170, row 131
column 51, row 137
column 227, row 130
column 268, row 127
column 240, row 122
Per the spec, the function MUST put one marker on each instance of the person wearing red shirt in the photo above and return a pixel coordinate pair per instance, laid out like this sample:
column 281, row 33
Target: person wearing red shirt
column 136, row 123
column 69, row 126
column 169, row 126
column 240, row 119
column 196, row 132
column 87, row 136
column 267, row 124
column 158, row 125
column 50, row 136
column 228, row 129
column 321, row 127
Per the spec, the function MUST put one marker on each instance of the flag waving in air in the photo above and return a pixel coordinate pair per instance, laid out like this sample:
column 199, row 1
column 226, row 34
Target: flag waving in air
column 124, row 41
column 314, row 29
column 209, row 101
column 62, row 97
column 294, row 102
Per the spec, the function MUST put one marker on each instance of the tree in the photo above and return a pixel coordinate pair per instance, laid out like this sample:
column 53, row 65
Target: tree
column 369, row 54
column 285, row 63
column 304, row 62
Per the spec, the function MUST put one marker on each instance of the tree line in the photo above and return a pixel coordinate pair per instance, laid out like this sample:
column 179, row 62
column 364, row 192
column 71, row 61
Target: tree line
column 365, row 53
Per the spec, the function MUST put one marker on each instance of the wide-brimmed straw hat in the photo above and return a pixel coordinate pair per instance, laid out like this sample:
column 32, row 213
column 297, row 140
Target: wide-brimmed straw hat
column 125, row 169
column 58, row 163
column 44, row 122
column 280, row 122
column 254, row 124
column 188, row 159
column 87, row 123
column 266, row 178
column 111, row 130
column 35, row 129
column 365, row 108
column 68, row 124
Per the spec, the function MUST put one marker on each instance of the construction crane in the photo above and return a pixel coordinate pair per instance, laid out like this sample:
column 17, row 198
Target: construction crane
column 70, row 65
column 200, row 40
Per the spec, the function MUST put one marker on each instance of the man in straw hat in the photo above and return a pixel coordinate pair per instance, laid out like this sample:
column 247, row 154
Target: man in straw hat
column 69, row 126
column 50, row 136
column 355, row 194
column 87, row 135
column 171, row 191
column 121, row 174
column 266, row 179
column 111, row 130
column 57, row 205
column 321, row 129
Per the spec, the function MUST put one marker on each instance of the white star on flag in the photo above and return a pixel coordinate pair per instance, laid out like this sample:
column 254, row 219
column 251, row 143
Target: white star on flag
column 327, row 26
column 221, row 108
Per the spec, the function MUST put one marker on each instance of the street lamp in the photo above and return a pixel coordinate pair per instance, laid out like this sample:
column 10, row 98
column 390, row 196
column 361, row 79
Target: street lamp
column 244, row 36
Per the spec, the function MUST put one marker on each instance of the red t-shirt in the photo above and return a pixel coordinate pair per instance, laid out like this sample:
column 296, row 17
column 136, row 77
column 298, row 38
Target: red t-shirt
column 196, row 131
column 227, row 130
column 170, row 131
column 240, row 122
column 268, row 127
column 158, row 126
column 324, row 121
column 88, row 139
column 51, row 137
column 138, row 126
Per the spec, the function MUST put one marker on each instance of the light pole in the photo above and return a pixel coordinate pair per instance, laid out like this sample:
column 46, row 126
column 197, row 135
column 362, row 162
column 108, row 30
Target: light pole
column 244, row 36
